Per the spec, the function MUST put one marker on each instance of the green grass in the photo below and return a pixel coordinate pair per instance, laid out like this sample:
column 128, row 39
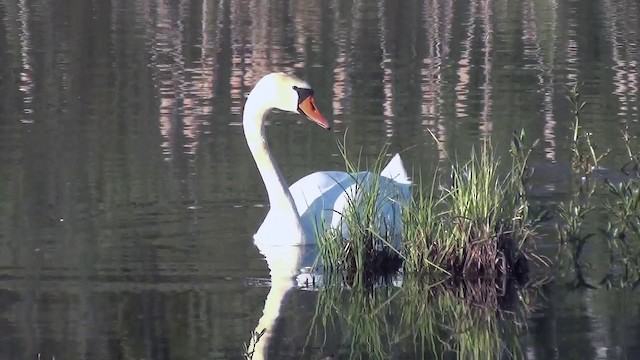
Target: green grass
column 365, row 250
column 476, row 224
column 473, row 217
column 593, row 199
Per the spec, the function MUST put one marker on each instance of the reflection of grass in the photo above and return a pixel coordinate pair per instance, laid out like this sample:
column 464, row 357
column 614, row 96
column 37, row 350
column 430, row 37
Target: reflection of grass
column 367, row 325
column 473, row 320
column 248, row 349
column 470, row 320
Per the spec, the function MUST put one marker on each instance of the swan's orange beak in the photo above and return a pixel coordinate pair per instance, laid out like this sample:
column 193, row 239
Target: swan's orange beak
column 308, row 108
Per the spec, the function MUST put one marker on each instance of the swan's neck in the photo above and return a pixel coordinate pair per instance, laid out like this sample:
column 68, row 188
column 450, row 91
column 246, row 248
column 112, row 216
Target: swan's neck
column 280, row 199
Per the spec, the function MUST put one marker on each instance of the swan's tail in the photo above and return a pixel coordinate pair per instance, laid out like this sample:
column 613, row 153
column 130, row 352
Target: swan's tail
column 395, row 171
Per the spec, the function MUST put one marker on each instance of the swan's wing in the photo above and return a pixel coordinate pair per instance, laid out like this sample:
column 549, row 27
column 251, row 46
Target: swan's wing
column 316, row 185
column 324, row 184
column 395, row 171
column 323, row 197
column 315, row 196
column 390, row 199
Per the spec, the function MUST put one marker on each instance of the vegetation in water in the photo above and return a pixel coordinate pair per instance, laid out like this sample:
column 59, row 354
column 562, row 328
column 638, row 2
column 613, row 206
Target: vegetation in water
column 473, row 220
column 585, row 157
column 248, row 349
column 478, row 223
column 620, row 208
column 473, row 223
column 366, row 250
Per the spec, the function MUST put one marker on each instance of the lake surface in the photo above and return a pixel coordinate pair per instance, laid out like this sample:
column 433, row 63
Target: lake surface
column 128, row 197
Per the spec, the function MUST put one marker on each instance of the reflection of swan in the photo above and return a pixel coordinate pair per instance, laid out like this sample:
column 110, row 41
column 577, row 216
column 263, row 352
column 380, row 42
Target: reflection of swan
column 284, row 263
column 289, row 272
column 317, row 200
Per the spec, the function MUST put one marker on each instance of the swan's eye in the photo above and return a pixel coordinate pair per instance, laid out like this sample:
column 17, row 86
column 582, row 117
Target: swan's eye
column 303, row 93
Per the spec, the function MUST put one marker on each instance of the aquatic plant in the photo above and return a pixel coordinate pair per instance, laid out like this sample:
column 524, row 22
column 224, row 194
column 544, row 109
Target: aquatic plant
column 573, row 213
column 477, row 224
column 585, row 158
column 620, row 208
column 622, row 232
column 632, row 166
column 572, row 235
column 366, row 250
column 486, row 219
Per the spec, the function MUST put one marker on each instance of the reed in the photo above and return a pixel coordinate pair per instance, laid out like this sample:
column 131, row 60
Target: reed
column 357, row 246
column 617, row 203
column 476, row 225
column 585, row 157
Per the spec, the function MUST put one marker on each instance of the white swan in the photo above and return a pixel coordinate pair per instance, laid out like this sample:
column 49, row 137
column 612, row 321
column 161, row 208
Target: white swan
column 318, row 200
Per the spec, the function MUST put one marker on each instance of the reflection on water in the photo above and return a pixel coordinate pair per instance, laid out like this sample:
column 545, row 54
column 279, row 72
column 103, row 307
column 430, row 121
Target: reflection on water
column 128, row 197
column 286, row 263
column 26, row 82
column 410, row 319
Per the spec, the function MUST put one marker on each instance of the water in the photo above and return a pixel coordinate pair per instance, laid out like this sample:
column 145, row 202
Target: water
column 128, row 197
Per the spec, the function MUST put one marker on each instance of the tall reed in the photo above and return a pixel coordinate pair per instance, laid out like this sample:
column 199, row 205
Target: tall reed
column 476, row 224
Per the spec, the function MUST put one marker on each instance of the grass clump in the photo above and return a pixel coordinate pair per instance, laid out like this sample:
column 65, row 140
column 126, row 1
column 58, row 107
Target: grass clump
column 363, row 244
column 622, row 232
column 596, row 196
column 476, row 225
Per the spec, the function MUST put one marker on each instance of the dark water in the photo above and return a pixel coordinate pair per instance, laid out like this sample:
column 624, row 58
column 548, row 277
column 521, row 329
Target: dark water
column 128, row 197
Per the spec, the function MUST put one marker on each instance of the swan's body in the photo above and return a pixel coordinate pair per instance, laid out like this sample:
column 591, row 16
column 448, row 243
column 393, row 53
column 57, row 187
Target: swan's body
column 317, row 201
column 322, row 197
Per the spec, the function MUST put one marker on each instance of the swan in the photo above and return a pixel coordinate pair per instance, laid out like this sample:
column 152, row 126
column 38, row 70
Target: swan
column 316, row 202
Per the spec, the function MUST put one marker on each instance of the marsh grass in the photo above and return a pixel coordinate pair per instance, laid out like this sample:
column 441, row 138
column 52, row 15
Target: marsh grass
column 585, row 156
column 477, row 224
column 632, row 166
column 364, row 250
column 622, row 232
column 618, row 203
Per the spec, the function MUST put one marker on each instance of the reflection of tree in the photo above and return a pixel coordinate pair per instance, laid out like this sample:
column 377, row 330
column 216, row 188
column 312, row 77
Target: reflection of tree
column 544, row 34
column 486, row 124
column 621, row 20
column 438, row 22
column 464, row 70
column 341, row 81
column 26, row 81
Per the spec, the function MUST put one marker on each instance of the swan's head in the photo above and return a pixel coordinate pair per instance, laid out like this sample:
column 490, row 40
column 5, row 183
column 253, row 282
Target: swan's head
column 288, row 93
